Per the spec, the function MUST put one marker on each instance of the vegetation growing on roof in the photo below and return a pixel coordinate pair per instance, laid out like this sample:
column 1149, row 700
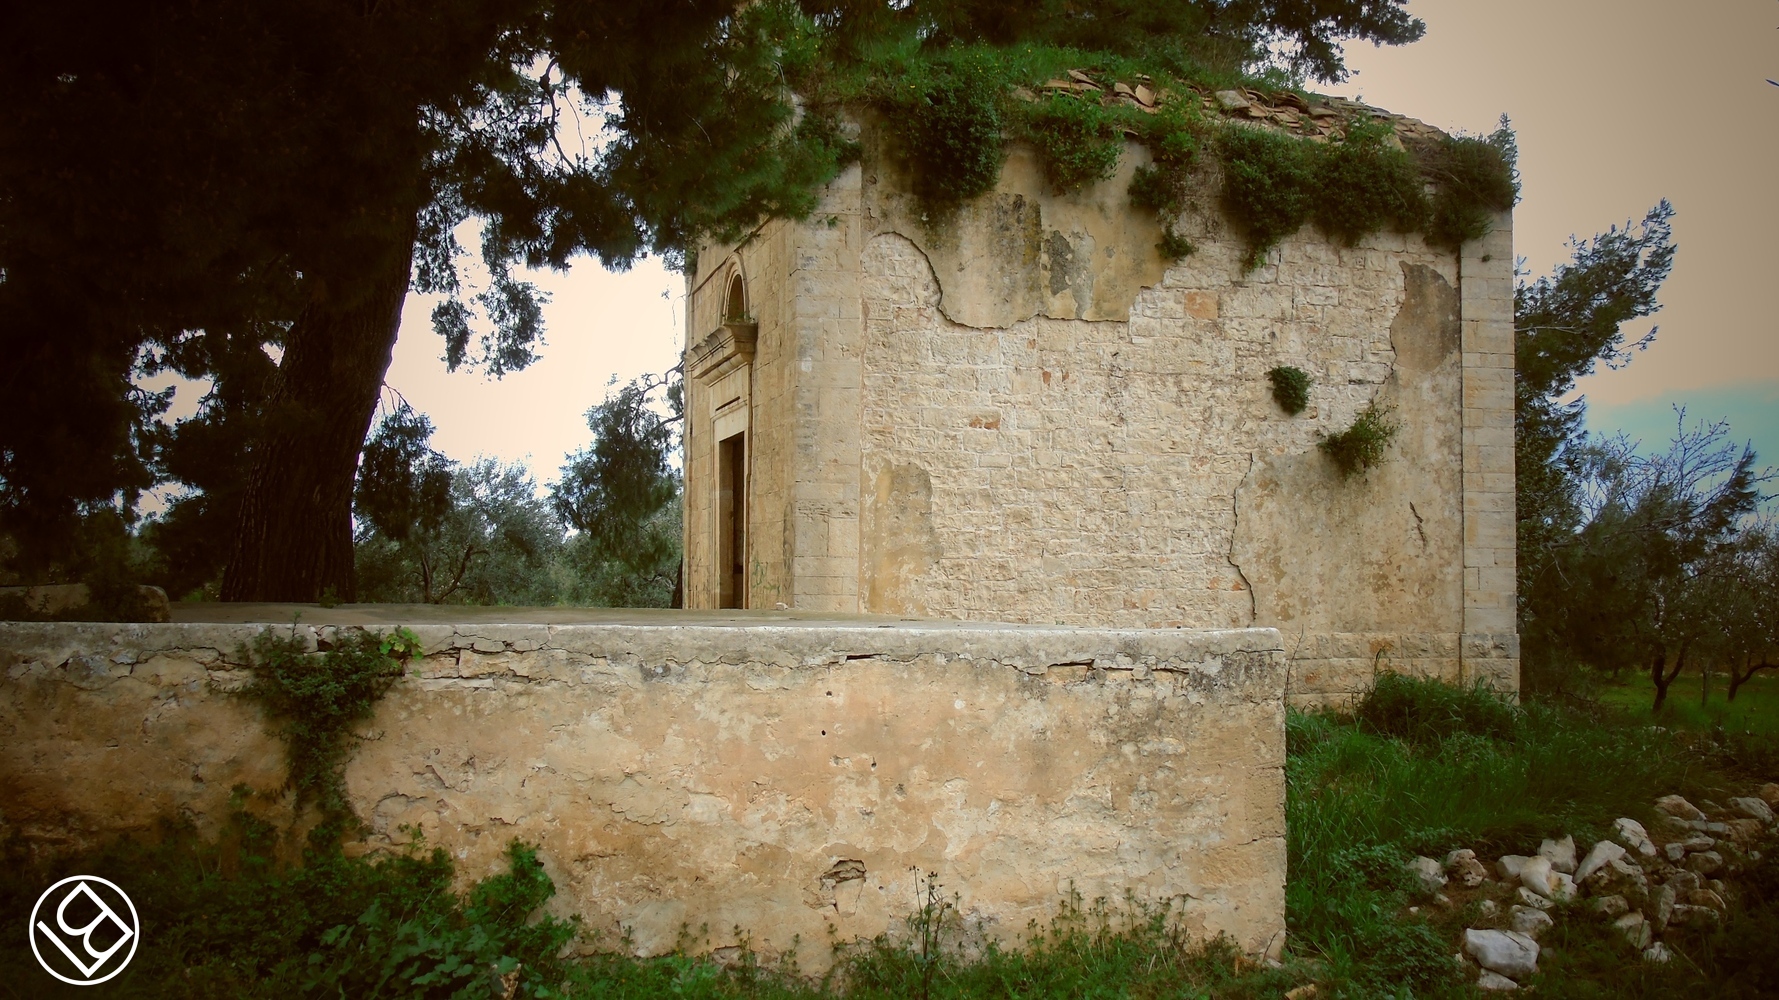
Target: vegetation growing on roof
column 1078, row 140
column 1475, row 177
column 953, row 109
column 1367, row 182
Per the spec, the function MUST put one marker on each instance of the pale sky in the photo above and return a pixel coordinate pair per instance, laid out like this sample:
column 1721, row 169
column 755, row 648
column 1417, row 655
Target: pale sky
column 1617, row 103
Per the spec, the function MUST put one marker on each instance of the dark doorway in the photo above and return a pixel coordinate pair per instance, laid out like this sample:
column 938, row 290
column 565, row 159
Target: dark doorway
column 732, row 520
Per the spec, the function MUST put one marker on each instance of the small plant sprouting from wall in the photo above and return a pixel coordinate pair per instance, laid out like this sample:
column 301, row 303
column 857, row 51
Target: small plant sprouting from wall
column 1173, row 245
column 1360, row 447
column 1290, row 388
column 315, row 699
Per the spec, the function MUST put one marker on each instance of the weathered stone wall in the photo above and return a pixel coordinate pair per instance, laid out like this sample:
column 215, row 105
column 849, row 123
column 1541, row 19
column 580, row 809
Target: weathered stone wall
column 1056, row 426
column 781, row 778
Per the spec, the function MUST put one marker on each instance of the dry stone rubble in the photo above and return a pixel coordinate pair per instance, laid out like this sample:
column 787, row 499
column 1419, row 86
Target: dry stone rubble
column 1642, row 884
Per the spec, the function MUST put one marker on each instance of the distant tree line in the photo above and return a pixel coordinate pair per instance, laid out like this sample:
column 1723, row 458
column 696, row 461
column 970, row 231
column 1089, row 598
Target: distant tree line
column 1631, row 559
column 607, row 534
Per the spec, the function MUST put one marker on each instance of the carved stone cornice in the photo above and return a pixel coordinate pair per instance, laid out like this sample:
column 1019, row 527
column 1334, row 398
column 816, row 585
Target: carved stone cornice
column 726, row 347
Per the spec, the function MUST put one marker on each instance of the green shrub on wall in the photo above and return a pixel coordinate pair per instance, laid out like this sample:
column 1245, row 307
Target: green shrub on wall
column 1290, row 388
column 1360, row 447
column 1267, row 181
column 316, row 698
column 1365, row 184
column 1078, row 140
column 1476, row 178
column 949, row 122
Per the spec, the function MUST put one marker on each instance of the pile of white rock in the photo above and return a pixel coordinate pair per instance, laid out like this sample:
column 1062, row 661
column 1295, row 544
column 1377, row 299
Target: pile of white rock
column 1643, row 886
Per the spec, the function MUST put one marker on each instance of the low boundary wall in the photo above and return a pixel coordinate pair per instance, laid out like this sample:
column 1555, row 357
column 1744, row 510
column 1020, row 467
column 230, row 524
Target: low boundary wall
column 786, row 780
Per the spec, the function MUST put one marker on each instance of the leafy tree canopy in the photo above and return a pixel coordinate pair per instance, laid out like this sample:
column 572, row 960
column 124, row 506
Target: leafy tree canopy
column 187, row 185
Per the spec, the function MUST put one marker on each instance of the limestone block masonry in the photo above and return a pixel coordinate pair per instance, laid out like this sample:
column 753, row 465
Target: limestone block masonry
column 1021, row 413
column 787, row 779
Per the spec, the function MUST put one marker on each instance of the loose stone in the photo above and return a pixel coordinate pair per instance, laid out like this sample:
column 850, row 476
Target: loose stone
column 1462, row 866
column 1677, row 806
column 1630, row 833
column 1635, row 929
column 1662, row 907
column 1495, row 982
column 1508, row 867
column 1428, row 874
column 1560, row 854
column 1753, row 809
column 1686, row 915
column 1612, row 906
column 1705, row 862
column 1769, row 793
column 1535, row 875
column 1510, row 953
column 1528, row 921
column 1597, row 858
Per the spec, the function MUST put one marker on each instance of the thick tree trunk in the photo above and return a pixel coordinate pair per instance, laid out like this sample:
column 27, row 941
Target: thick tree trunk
column 293, row 538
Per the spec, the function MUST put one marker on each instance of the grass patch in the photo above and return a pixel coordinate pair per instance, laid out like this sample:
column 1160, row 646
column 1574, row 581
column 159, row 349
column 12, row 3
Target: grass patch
column 1755, row 710
column 224, row 920
column 1423, row 768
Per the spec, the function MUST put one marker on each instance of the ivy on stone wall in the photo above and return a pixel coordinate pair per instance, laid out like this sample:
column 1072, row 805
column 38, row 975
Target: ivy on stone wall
column 315, row 698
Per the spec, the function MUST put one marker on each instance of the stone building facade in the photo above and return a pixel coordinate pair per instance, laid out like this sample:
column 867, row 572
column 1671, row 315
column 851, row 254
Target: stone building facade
column 1022, row 413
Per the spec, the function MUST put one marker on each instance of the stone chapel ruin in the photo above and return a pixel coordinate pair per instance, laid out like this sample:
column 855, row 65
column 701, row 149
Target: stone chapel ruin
column 1025, row 414
column 1026, row 563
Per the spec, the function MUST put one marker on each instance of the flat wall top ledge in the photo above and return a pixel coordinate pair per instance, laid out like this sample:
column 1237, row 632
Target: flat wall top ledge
column 1032, row 649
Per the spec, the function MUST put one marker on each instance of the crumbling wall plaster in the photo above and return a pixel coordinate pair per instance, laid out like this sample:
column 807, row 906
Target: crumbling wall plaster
column 783, row 780
column 1130, row 467
column 1054, row 425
